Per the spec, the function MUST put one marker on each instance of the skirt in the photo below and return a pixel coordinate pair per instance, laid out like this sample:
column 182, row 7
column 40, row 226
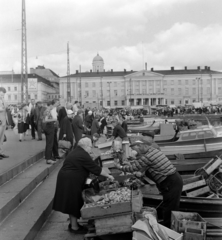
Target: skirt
column 22, row 127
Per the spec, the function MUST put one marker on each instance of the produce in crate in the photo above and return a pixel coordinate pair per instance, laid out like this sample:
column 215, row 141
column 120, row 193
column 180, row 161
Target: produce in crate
column 120, row 195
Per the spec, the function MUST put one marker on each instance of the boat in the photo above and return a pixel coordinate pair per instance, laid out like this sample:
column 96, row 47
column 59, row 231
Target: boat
column 144, row 127
column 206, row 207
column 194, row 143
column 166, row 133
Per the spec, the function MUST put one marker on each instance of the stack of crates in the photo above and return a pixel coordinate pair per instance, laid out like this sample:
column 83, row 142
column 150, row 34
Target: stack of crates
column 191, row 224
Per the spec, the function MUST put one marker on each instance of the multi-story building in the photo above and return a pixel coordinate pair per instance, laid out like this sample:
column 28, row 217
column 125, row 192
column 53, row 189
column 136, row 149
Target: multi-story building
column 38, row 87
column 137, row 88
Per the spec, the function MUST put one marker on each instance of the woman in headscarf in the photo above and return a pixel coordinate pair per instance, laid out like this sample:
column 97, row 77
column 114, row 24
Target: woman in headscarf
column 71, row 180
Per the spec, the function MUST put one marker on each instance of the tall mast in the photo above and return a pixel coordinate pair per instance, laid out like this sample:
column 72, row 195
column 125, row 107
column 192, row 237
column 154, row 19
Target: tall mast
column 24, row 67
column 68, row 76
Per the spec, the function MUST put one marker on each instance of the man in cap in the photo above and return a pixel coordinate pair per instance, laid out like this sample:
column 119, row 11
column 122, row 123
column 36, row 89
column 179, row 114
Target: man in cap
column 118, row 131
column 156, row 166
column 149, row 136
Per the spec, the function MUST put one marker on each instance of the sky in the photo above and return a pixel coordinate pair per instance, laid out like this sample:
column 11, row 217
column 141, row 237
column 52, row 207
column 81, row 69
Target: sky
column 125, row 33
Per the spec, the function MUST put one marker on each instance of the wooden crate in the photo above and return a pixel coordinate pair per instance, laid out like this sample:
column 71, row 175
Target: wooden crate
column 182, row 220
column 193, row 234
column 114, row 224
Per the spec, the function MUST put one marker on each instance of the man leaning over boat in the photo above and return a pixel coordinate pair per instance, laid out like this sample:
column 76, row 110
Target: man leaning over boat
column 156, row 166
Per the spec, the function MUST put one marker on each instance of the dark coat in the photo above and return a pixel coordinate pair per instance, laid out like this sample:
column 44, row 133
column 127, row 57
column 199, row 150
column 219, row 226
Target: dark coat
column 71, row 180
column 66, row 128
column 77, row 126
column 88, row 121
column 95, row 126
column 61, row 114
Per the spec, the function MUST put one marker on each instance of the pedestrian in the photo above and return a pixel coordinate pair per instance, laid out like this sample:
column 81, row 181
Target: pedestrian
column 95, row 125
column 88, row 122
column 50, row 129
column 155, row 165
column 31, row 110
column 38, row 118
column 3, row 120
column 75, row 107
column 77, row 126
column 23, row 126
column 66, row 131
column 118, row 131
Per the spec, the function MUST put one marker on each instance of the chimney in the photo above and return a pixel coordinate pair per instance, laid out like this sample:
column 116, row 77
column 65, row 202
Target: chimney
column 131, row 70
column 146, row 66
column 198, row 68
column 90, row 70
column 77, row 71
column 205, row 68
column 172, row 68
column 151, row 69
column 185, row 68
column 208, row 68
column 124, row 70
column 111, row 70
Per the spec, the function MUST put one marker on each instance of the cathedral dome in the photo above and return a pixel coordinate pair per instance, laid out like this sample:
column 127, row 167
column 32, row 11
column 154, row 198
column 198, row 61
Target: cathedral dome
column 97, row 58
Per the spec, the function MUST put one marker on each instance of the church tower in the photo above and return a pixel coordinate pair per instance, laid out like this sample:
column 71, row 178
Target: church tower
column 98, row 63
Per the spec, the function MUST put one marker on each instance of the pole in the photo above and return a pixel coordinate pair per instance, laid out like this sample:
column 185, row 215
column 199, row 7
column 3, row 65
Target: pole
column 68, row 76
column 80, row 84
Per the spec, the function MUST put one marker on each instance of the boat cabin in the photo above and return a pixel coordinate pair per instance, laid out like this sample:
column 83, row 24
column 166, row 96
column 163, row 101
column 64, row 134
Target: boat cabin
column 196, row 134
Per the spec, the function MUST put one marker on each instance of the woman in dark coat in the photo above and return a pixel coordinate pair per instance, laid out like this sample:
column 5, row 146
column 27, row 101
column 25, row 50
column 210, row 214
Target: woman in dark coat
column 66, row 131
column 61, row 115
column 95, row 125
column 77, row 126
column 71, row 180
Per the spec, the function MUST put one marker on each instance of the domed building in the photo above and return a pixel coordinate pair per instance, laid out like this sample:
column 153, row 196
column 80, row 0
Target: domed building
column 98, row 63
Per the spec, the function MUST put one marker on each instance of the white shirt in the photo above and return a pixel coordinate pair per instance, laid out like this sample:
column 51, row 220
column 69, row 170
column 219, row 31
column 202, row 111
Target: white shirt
column 54, row 113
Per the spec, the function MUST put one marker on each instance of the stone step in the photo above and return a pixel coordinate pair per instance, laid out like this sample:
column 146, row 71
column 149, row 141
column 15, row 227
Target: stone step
column 13, row 192
column 22, row 166
column 27, row 219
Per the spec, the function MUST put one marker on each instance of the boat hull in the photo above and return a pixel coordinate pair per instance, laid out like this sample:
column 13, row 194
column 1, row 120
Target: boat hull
column 204, row 206
column 201, row 148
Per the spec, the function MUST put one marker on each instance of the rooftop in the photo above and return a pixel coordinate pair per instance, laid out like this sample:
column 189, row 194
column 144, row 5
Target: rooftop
column 16, row 78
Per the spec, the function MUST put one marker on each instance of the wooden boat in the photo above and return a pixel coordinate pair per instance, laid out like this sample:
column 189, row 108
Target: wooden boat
column 144, row 127
column 197, row 143
column 206, row 207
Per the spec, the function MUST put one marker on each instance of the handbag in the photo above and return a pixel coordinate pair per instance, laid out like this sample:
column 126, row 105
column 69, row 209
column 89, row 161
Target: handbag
column 64, row 144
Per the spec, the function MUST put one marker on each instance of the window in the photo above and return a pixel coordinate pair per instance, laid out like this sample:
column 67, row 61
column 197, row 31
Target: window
column 179, row 82
column 158, row 90
column 115, row 92
column 180, row 101
column 15, row 88
column 144, row 91
column 158, row 83
column 15, row 97
column 189, row 136
column 115, row 103
column 219, row 90
column 209, row 134
column 186, row 101
column 9, row 89
column 9, row 97
column 123, row 102
column 208, row 90
column 172, row 82
column 150, row 90
column 108, row 92
column 86, row 93
column 144, row 83
column 166, row 101
column 172, row 91
column 86, row 84
column 200, row 135
column 94, row 93
column 179, row 91
column 194, row 90
column 186, row 82
column 187, row 91
column 108, row 103
column 93, row 84
column 164, row 82
column 172, row 102
column 137, row 90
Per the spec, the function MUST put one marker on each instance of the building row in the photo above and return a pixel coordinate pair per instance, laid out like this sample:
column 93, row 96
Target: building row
column 145, row 87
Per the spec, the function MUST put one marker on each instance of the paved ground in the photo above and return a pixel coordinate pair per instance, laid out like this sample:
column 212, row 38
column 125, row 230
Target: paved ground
column 19, row 151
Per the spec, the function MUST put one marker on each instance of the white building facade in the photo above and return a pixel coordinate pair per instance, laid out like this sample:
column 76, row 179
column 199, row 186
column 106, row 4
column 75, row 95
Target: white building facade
column 130, row 88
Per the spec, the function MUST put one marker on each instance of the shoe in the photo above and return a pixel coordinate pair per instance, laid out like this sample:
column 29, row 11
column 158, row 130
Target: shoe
column 3, row 156
column 50, row 161
column 80, row 230
column 58, row 157
column 20, row 140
